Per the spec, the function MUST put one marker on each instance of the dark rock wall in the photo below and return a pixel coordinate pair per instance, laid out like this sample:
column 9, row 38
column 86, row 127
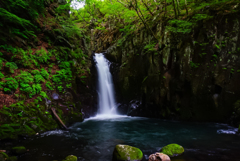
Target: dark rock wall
column 191, row 77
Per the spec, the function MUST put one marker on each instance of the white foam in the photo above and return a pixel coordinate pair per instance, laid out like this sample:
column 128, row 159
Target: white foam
column 106, row 116
column 228, row 131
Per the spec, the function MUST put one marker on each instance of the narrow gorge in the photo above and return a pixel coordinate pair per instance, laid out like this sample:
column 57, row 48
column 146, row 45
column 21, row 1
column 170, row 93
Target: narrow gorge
column 88, row 79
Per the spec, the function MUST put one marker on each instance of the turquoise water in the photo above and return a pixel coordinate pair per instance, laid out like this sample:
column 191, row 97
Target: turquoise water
column 94, row 140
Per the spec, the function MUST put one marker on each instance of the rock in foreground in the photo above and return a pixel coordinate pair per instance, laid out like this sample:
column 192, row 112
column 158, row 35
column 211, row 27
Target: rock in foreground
column 172, row 150
column 19, row 150
column 127, row 153
column 70, row 158
column 159, row 157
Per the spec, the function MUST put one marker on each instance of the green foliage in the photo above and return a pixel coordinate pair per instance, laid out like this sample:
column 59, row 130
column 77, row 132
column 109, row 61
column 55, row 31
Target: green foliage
column 10, row 84
column 8, row 48
column 26, row 58
column 42, row 56
column 36, row 89
column 150, row 47
column 38, row 78
column 60, row 88
column 179, row 26
column 62, row 75
column 193, row 65
column 10, row 17
column 49, row 85
column 1, row 75
column 1, row 64
column 69, row 85
column 44, row 73
column 12, row 66
column 44, row 95
column 63, row 8
column 198, row 17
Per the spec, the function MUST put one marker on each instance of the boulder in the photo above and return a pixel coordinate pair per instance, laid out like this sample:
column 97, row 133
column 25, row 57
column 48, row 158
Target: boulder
column 70, row 158
column 159, row 157
column 3, row 156
column 172, row 150
column 126, row 153
column 19, row 150
column 12, row 158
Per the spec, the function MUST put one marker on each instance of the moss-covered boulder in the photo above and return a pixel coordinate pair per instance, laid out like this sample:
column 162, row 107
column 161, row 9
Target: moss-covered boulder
column 172, row 150
column 3, row 156
column 126, row 153
column 12, row 158
column 70, row 158
column 19, row 150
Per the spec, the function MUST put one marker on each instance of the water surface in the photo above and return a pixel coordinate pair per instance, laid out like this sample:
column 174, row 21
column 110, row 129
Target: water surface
column 95, row 139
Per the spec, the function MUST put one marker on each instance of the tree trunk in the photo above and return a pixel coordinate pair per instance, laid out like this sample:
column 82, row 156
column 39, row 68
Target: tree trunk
column 55, row 114
column 186, row 6
column 174, row 9
column 178, row 6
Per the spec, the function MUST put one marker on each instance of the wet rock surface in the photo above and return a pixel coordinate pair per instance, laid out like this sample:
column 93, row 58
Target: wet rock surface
column 172, row 150
column 194, row 77
column 127, row 153
column 159, row 157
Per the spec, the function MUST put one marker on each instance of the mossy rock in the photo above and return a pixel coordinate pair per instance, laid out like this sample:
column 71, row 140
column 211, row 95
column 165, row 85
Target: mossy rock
column 172, row 150
column 70, row 158
column 127, row 153
column 3, row 156
column 19, row 149
column 13, row 158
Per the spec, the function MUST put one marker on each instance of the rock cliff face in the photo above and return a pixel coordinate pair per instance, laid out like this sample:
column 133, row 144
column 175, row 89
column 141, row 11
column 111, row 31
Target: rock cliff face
column 192, row 76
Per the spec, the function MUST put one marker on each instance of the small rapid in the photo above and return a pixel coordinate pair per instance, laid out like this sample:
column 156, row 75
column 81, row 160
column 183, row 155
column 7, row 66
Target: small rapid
column 106, row 98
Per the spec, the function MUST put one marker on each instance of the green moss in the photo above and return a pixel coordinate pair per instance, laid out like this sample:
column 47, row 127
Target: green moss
column 126, row 152
column 172, row 150
column 19, row 149
column 70, row 158
column 13, row 158
column 3, row 155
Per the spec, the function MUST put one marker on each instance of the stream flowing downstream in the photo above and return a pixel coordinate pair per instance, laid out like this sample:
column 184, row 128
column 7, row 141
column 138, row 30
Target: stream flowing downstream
column 95, row 138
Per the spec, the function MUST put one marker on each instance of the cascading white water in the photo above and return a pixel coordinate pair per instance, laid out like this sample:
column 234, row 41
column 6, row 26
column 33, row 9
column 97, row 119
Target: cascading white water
column 107, row 104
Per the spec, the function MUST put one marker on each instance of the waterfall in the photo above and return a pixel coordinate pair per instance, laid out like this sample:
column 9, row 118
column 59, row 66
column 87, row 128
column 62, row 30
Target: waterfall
column 107, row 104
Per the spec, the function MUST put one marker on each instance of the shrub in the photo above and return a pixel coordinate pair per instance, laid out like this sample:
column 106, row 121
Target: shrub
column 11, row 66
column 44, row 95
column 42, row 56
column 10, row 84
column 44, row 73
column 35, row 72
column 38, row 78
column 1, row 75
column 49, row 85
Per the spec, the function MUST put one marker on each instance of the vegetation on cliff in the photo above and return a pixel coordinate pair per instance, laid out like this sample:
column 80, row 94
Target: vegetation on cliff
column 41, row 53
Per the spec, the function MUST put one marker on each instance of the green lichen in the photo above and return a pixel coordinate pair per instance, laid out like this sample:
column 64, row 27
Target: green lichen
column 127, row 153
column 70, row 158
column 172, row 150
